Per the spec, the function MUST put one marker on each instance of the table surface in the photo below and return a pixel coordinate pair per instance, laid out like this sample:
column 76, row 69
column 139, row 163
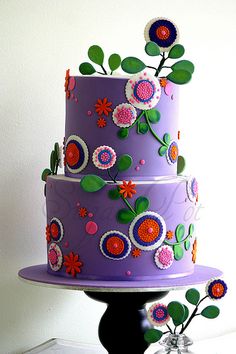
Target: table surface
column 218, row 345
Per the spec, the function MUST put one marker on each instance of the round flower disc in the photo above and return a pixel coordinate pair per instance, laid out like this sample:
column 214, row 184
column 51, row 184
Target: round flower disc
column 163, row 32
column 164, row 257
column 124, row 115
column 56, row 230
column 76, row 154
column 55, row 257
column 115, row 245
column 158, row 315
column 143, row 91
column 192, row 189
column 172, row 153
column 216, row 289
column 104, row 157
column 147, row 231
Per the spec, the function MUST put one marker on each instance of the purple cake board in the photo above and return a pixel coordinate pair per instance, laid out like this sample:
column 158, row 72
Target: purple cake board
column 38, row 275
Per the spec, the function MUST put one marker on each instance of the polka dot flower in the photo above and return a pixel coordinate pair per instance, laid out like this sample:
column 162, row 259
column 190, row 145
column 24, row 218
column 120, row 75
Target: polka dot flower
column 55, row 257
column 76, row 154
column 143, row 91
column 164, row 257
column 163, row 32
column 115, row 245
column 192, row 189
column 147, row 231
column 124, row 115
column 172, row 153
column 104, row 157
column 216, row 289
column 158, row 315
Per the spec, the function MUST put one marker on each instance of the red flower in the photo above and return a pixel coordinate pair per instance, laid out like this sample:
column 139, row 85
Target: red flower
column 83, row 212
column 48, row 234
column 72, row 264
column 101, row 122
column 169, row 235
column 67, row 83
column 194, row 251
column 127, row 189
column 136, row 252
column 103, row 107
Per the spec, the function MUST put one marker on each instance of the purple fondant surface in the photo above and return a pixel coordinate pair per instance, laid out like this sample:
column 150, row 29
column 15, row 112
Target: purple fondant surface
column 140, row 147
column 168, row 198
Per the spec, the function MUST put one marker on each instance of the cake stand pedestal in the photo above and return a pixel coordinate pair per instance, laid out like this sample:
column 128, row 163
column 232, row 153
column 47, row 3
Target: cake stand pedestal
column 122, row 326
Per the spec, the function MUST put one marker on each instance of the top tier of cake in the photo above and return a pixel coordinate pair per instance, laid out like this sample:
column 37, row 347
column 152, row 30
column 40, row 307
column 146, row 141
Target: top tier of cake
column 107, row 117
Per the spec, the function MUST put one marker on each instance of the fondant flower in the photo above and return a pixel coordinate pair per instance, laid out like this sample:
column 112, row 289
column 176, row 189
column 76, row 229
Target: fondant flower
column 172, row 153
column 48, row 234
column 169, row 234
column 136, row 252
column 163, row 82
column 143, row 91
column 194, row 251
column 72, row 264
column 101, row 122
column 69, row 83
column 127, row 189
column 163, row 32
column 83, row 212
column 55, row 257
column 76, row 154
column 56, row 230
column 164, row 257
column 115, row 245
column 103, row 106
column 104, row 157
column 192, row 189
column 216, row 289
column 158, row 315
column 147, row 231
column 124, row 115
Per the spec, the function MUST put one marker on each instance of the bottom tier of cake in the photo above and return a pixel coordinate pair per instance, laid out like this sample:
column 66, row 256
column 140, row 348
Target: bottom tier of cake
column 123, row 231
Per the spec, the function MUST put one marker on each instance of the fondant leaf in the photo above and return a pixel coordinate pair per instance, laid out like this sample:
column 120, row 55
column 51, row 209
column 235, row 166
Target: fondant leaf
column 95, row 53
column 183, row 65
column 191, row 229
column 92, row 183
column 177, row 51
column 45, row 173
column 153, row 115
column 114, row 61
column 132, row 65
column 192, row 296
column 166, row 138
column 178, row 252
column 162, row 150
column 152, row 49
column 180, row 164
column 152, row 335
column 53, row 161
column 114, row 194
column 142, row 128
column 57, row 150
column 179, row 77
column 86, row 69
column 179, row 232
column 124, row 162
column 123, row 133
column 186, row 313
column 187, row 244
column 210, row 312
column 125, row 216
column 141, row 204
column 176, row 311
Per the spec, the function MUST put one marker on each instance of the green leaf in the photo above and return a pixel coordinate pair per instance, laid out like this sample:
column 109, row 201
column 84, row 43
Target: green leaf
column 162, row 150
column 95, row 53
column 210, row 312
column 57, row 150
column 152, row 49
column 45, row 173
column 180, row 164
column 53, row 161
column 132, row 65
column 86, row 69
column 142, row 128
column 123, row 133
column 178, row 252
column 141, row 204
column 92, row 183
column 125, row 216
column 186, row 313
column 152, row 335
column 114, row 61
column 187, row 244
column 114, row 194
column 124, row 162
column 183, row 65
column 177, row 51
column 179, row 232
column 176, row 311
column 192, row 296
column 191, row 229
column 179, row 77
column 153, row 115
column 166, row 138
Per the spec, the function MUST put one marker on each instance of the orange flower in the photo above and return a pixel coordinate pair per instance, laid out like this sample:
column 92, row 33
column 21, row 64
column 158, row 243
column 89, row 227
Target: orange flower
column 136, row 252
column 127, row 189
column 83, row 212
column 67, row 83
column 102, row 106
column 72, row 264
column 169, row 234
column 163, row 82
column 194, row 251
column 101, row 122
column 48, row 234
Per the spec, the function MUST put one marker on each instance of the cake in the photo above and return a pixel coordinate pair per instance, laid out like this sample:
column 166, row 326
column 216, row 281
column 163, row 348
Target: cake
column 123, row 210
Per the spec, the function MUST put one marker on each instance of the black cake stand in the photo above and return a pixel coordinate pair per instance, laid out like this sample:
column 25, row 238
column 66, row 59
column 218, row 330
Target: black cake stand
column 122, row 326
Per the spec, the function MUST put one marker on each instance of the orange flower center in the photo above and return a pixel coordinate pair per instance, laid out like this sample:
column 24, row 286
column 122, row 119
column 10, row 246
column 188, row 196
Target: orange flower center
column 163, row 32
column 72, row 154
column 174, row 152
column 115, row 245
column 149, row 230
column 54, row 230
column 218, row 290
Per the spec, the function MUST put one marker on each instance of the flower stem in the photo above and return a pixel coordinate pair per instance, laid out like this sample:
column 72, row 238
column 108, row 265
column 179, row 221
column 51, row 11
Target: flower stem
column 161, row 65
column 98, row 72
column 170, row 330
column 194, row 314
column 103, row 69
column 176, row 243
column 151, row 67
column 153, row 133
column 137, row 120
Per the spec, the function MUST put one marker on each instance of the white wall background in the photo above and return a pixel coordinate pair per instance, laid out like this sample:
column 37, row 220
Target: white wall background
column 39, row 40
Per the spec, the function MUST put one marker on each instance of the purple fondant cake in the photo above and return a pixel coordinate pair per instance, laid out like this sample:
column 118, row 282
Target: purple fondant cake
column 122, row 210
